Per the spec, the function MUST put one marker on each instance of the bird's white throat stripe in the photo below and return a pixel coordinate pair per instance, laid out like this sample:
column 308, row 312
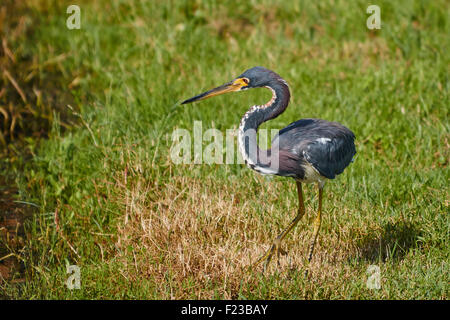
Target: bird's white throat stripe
column 241, row 135
column 274, row 97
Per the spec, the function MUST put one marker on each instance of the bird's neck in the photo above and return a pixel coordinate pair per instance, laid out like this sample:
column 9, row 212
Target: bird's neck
column 257, row 115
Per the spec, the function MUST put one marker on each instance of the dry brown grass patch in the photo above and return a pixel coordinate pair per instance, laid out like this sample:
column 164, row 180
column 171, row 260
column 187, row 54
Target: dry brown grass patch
column 202, row 236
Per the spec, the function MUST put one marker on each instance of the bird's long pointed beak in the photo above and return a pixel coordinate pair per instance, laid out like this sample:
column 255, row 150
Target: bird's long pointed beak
column 231, row 86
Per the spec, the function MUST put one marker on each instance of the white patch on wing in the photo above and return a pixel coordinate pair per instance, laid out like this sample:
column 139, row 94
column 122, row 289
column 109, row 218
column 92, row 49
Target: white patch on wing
column 323, row 140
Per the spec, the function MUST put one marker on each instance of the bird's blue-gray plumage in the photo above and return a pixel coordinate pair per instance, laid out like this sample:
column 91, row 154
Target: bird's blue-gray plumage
column 328, row 146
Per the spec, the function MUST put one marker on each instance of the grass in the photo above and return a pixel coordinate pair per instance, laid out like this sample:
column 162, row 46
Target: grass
column 110, row 200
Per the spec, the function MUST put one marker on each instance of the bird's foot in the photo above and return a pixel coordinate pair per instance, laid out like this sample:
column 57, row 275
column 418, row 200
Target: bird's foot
column 267, row 257
column 282, row 252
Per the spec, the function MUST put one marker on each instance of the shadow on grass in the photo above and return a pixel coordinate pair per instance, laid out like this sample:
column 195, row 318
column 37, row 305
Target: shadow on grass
column 394, row 242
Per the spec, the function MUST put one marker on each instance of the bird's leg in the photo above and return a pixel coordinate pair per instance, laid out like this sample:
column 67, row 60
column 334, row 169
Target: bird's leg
column 276, row 244
column 317, row 222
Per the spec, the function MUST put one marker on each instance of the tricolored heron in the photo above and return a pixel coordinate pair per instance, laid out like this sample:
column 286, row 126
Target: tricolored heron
column 308, row 150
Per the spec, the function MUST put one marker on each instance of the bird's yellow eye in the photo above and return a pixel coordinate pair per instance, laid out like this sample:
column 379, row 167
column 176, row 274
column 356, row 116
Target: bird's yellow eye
column 246, row 80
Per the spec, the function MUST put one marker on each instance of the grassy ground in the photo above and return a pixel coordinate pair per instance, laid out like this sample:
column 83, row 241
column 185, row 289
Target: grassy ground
column 106, row 196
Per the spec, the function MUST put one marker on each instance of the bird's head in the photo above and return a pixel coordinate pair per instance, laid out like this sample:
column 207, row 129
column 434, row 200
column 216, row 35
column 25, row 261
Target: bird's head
column 252, row 78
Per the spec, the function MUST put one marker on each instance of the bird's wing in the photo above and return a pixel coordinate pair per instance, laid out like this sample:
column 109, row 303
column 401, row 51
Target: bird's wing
column 330, row 157
column 328, row 146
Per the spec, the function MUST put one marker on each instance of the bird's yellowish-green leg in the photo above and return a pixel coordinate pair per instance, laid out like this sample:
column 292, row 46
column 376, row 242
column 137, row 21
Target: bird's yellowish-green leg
column 317, row 222
column 276, row 249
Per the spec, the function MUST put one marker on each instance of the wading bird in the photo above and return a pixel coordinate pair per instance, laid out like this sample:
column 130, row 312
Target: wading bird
column 308, row 150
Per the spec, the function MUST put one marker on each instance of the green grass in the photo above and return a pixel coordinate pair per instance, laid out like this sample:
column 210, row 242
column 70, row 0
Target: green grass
column 140, row 226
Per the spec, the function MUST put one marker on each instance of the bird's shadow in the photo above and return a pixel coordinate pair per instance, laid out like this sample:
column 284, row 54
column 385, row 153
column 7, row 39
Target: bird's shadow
column 394, row 242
